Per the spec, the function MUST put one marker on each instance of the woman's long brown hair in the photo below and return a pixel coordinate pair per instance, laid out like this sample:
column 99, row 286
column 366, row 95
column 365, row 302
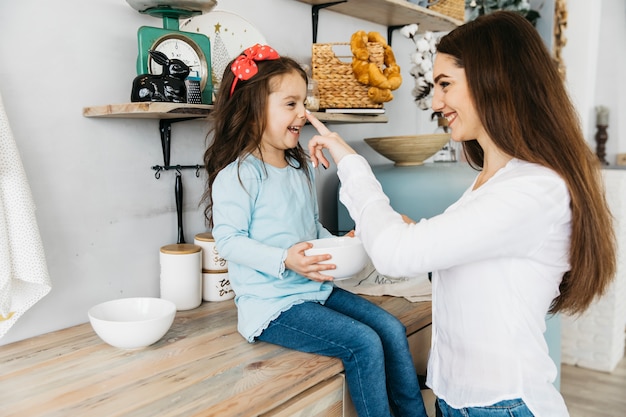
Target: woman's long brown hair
column 525, row 108
column 238, row 122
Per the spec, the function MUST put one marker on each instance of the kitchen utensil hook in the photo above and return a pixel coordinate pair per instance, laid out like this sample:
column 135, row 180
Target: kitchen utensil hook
column 178, row 194
column 178, row 168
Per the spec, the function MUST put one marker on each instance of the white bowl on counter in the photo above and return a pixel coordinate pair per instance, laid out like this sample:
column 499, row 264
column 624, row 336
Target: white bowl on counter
column 348, row 255
column 132, row 323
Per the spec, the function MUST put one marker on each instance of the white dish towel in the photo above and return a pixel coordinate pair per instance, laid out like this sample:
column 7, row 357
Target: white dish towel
column 370, row 282
column 24, row 278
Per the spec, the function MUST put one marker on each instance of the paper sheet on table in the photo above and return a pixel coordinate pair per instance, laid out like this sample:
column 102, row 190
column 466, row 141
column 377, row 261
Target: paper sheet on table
column 370, row 282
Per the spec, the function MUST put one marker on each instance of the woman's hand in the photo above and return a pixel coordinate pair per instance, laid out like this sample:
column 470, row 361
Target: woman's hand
column 407, row 219
column 326, row 139
column 308, row 266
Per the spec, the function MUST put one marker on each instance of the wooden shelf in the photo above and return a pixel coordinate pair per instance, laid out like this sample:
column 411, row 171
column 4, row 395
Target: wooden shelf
column 149, row 110
column 159, row 110
column 392, row 13
column 350, row 118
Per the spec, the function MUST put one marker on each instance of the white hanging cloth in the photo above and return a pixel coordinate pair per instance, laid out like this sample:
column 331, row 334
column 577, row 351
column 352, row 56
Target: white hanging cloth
column 24, row 278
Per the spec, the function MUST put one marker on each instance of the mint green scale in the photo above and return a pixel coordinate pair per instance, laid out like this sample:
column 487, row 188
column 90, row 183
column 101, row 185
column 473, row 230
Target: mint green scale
column 194, row 49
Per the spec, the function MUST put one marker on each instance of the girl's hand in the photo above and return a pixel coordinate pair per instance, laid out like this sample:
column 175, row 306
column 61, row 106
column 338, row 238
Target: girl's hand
column 307, row 266
column 326, row 139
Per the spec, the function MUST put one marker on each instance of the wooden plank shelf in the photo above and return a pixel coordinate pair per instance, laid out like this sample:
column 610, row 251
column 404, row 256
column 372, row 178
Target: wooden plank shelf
column 149, row 110
column 392, row 13
column 350, row 118
column 159, row 110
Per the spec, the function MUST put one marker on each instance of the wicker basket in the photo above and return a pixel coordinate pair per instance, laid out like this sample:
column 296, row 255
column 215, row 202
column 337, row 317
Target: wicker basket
column 452, row 8
column 338, row 87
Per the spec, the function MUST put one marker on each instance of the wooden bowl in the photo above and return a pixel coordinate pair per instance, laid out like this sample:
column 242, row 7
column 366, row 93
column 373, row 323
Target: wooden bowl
column 409, row 150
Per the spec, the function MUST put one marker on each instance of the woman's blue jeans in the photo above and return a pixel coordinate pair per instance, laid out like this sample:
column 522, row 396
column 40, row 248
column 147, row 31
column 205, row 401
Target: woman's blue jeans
column 371, row 343
column 507, row 408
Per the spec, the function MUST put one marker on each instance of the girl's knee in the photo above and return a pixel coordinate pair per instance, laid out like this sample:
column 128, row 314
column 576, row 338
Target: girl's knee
column 397, row 327
column 368, row 342
column 392, row 329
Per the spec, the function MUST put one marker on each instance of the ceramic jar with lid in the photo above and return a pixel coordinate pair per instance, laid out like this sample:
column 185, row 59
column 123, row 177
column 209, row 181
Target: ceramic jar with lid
column 216, row 286
column 181, row 275
column 211, row 259
column 215, row 281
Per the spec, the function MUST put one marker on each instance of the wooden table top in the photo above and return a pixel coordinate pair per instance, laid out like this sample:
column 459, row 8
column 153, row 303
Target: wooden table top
column 202, row 366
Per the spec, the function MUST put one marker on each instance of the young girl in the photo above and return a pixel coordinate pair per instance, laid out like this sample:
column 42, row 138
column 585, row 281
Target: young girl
column 262, row 206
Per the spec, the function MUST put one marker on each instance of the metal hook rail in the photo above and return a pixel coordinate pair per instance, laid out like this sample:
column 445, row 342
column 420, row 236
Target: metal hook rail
column 178, row 168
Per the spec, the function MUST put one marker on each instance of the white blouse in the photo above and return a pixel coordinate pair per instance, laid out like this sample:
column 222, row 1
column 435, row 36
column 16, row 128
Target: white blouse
column 498, row 256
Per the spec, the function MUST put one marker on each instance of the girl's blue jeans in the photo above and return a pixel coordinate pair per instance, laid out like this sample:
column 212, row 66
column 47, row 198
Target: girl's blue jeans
column 507, row 408
column 371, row 343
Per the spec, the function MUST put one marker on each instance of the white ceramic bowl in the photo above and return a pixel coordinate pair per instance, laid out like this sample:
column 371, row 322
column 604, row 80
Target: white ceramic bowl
column 131, row 323
column 347, row 253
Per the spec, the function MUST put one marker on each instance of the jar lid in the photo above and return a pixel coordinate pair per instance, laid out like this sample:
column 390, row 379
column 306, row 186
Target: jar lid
column 180, row 249
column 214, row 271
column 207, row 237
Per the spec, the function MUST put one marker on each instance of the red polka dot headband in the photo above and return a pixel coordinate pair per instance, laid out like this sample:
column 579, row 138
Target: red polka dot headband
column 245, row 66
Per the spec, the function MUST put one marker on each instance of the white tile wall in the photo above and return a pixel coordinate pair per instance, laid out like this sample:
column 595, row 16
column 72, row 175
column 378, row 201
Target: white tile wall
column 595, row 339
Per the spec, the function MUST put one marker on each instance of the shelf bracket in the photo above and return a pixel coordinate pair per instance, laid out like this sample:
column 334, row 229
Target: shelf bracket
column 165, row 128
column 315, row 9
column 390, row 30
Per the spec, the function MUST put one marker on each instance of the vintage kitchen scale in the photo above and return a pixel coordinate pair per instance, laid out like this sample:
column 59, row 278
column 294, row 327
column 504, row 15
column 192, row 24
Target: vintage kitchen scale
column 193, row 49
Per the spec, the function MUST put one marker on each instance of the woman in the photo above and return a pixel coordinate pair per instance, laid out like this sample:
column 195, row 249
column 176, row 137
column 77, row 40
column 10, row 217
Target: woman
column 532, row 235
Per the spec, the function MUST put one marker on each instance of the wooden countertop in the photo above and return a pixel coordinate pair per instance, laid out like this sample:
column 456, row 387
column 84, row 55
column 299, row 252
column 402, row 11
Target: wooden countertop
column 202, row 366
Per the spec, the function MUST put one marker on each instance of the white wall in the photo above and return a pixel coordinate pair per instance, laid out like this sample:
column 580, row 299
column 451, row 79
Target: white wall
column 611, row 85
column 102, row 214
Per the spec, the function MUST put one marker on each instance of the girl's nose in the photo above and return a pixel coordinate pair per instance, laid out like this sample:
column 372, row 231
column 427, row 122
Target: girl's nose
column 301, row 112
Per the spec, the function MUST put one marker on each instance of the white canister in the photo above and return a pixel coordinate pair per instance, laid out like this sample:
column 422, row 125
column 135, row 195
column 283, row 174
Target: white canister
column 216, row 286
column 211, row 260
column 181, row 275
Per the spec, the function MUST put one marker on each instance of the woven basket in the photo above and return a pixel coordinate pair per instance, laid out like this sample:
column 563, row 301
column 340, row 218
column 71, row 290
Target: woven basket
column 452, row 8
column 338, row 87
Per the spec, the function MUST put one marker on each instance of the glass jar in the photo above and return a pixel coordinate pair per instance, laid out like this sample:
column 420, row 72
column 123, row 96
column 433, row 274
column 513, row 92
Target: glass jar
column 312, row 95
column 449, row 150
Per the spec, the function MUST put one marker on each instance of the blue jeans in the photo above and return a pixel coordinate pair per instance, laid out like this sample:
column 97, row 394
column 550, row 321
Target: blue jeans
column 507, row 408
column 371, row 343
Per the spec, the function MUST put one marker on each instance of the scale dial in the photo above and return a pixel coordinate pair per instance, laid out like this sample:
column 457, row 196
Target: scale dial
column 179, row 46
